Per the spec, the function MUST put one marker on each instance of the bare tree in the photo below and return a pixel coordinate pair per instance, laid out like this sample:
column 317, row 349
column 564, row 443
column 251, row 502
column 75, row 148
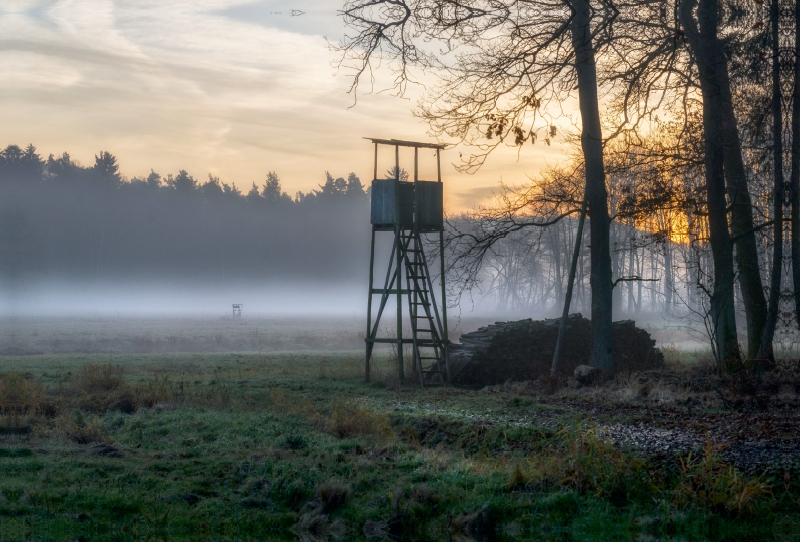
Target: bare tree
column 502, row 63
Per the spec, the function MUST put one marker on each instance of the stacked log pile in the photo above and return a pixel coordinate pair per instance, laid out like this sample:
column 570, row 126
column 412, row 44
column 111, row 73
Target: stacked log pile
column 523, row 350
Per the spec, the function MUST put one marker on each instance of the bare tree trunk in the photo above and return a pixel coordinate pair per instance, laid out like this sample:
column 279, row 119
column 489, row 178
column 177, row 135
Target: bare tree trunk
column 582, row 280
column 617, row 262
column 568, row 299
column 653, row 275
column 692, row 261
column 706, row 49
column 751, row 287
column 669, row 276
column 556, row 249
column 640, row 270
column 765, row 348
column 596, row 194
column 795, row 173
column 631, row 233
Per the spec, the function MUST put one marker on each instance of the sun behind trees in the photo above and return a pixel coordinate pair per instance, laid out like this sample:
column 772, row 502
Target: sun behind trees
column 660, row 250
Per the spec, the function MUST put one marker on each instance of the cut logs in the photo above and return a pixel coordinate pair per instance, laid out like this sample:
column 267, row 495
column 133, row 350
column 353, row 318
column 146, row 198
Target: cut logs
column 523, row 350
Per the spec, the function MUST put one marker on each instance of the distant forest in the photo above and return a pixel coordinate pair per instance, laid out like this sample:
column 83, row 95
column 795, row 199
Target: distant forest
column 62, row 221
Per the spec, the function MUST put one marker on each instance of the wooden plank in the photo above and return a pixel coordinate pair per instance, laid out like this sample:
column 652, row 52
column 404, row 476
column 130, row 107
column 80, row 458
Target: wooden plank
column 401, row 143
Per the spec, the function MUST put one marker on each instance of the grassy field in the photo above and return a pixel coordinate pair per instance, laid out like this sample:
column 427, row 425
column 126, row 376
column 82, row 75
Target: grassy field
column 283, row 446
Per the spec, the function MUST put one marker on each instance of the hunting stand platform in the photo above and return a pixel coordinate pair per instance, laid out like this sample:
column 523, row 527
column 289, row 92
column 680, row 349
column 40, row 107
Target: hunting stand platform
column 410, row 210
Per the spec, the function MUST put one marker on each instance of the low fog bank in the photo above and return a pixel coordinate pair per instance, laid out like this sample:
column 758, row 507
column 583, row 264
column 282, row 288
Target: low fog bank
column 159, row 334
column 184, row 299
column 112, row 335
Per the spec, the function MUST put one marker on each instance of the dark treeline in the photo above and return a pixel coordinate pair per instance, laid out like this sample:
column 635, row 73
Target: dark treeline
column 65, row 222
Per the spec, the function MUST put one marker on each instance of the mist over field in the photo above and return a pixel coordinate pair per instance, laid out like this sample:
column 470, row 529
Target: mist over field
column 94, row 262
column 78, row 240
column 178, row 298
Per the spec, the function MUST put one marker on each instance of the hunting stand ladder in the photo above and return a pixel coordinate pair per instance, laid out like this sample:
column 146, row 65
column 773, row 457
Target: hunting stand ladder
column 410, row 210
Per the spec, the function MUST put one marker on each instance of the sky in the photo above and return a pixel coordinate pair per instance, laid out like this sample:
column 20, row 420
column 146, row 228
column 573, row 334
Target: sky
column 228, row 87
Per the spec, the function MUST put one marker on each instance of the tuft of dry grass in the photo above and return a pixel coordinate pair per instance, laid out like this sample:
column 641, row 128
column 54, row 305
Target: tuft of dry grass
column 332, row 495
column 76, row 427
column 279, row 401
column 315, row 527
column 710, row 483
column 97, row 388
column 584, row 461
column 26, row 406
column 22, row 400
column 672, row 355
column 629, row 388
column 161, row 390
column 352, row 418
column 95, row 378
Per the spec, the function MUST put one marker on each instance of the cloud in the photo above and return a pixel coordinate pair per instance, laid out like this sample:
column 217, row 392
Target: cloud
column 302, row 16
column 221, row 86
column 474, row 196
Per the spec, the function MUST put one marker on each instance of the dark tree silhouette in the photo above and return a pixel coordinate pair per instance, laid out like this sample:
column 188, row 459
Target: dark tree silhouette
column 106, row 171
column 91, row 225
column 272, row 192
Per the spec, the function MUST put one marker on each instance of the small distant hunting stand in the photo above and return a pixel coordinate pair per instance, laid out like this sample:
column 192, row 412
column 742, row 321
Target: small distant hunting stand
column 410, row 210
column 237, row 310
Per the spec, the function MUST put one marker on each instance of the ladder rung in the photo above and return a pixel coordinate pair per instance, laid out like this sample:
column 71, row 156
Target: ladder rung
column 392, row 291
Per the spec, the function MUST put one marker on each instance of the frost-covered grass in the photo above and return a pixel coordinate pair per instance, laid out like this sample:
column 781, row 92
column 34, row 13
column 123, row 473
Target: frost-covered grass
column 287, row 445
